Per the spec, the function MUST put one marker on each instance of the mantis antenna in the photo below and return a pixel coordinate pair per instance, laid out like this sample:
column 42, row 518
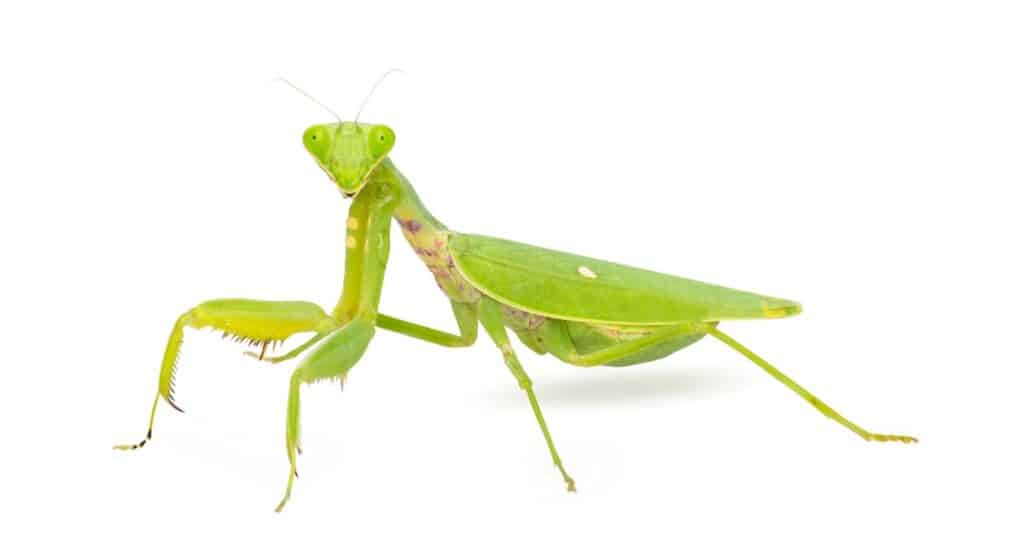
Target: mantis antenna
column 311, row 97
column 372, row 89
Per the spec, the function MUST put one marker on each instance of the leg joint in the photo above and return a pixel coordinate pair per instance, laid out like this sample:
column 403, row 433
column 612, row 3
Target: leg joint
column 515, row 367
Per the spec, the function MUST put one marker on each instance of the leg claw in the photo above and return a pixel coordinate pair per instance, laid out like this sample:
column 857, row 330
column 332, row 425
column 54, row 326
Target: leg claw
column 125, row 447
column 890, row 438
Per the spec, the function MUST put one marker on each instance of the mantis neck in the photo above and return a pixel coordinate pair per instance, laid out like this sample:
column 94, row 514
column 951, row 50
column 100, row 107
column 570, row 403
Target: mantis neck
column 419, row 226
column 427, row 236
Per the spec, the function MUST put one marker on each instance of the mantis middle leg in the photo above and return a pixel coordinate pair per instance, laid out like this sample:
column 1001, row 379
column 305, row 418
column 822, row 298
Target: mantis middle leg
column 491, row 318
column 465, row 316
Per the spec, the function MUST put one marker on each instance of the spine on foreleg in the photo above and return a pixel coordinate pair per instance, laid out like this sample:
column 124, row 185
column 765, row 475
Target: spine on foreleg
column 170, row 362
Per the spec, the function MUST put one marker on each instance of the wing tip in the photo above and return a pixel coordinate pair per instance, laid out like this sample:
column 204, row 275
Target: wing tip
column 780, row 308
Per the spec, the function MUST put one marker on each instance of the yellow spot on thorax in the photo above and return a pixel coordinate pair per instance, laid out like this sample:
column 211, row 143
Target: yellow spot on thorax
column 350, row 242
column 352, row 223
column 586, row 272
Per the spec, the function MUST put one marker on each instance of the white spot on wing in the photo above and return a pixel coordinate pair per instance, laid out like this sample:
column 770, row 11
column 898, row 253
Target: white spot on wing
column 585, row 271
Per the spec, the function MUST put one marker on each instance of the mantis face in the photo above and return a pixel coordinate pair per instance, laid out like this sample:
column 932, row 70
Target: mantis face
column 349, row 152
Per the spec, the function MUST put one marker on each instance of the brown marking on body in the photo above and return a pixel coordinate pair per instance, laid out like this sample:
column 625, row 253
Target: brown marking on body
column 622, row 333
column 521, row 318
column 431, row 246
column 410, row 225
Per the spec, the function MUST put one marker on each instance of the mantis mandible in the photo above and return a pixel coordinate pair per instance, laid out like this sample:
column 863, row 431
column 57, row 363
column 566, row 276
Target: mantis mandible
column 584, row 311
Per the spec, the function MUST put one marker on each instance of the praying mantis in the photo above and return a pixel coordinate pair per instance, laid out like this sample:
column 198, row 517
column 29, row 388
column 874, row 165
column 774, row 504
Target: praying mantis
column 584, row 311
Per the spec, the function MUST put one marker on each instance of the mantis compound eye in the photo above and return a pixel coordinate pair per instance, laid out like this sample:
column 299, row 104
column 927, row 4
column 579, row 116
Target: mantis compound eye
column 316, row 139
column 381, row 139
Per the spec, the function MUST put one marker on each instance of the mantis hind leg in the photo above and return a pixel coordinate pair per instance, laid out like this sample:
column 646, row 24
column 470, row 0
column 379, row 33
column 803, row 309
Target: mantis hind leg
column 586, row 345
column 829, row 412
column 256, row 322
column 664, row 341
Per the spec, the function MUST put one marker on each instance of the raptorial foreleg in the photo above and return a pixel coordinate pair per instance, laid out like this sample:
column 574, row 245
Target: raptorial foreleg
column 247, row 320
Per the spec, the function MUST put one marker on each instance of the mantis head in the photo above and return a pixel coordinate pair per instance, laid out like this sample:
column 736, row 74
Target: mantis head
column 349, row 152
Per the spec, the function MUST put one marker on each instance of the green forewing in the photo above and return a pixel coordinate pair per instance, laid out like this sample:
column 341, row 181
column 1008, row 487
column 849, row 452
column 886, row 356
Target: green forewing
column 567, row 286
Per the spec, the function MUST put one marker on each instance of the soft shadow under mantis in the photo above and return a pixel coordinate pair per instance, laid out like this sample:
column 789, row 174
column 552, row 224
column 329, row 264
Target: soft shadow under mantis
column 624, row 387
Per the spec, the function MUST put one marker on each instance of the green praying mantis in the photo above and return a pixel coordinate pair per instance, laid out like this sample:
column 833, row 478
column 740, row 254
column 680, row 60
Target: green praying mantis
column 586, row 312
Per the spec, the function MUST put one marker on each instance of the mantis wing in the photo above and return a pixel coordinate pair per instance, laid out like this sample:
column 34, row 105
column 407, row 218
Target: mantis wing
column 576, row 288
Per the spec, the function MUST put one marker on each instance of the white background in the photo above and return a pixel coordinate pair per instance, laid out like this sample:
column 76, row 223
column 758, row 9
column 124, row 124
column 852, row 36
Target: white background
column 863, row 158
